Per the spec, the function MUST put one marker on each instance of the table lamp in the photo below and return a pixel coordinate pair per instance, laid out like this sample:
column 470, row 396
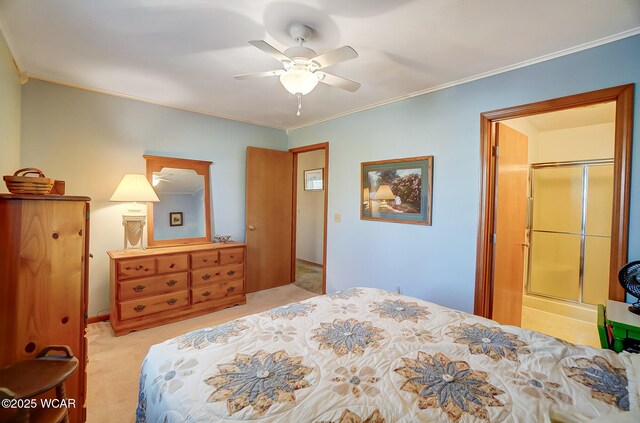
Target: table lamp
column 136, row 190
column 384, row 193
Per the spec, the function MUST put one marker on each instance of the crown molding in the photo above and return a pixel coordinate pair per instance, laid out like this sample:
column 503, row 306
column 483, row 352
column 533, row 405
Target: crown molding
column 540, row 59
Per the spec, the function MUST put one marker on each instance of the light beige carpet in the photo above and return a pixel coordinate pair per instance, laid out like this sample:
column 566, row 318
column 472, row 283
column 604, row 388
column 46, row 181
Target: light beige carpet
column 308, row 277
column 114, row 362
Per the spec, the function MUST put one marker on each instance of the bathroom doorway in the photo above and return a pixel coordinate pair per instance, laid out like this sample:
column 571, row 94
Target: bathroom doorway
column 555, row 204
column 566, row 227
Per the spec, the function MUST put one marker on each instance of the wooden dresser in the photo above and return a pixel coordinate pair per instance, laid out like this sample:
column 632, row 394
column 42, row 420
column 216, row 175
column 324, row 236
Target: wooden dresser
column 43, row 281
column 162, row 285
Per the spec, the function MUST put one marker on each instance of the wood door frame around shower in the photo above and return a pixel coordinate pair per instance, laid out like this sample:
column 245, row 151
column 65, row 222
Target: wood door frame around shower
column 623, row 96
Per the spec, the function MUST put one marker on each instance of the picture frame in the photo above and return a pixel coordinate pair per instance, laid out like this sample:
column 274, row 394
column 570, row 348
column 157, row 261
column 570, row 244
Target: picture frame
column 397, row 190
column 314, row 179
column 175, row 219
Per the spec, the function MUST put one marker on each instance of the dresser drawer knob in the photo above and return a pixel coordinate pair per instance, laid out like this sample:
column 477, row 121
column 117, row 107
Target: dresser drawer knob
column 206, row 293
column 205, row 260
column 172, row 301
column 231, row 272
column 172, row 266
column 139, row 308
column 231, row 256
column 206, row 277
column 139, row 288
column 172, row 282
column 231, row 288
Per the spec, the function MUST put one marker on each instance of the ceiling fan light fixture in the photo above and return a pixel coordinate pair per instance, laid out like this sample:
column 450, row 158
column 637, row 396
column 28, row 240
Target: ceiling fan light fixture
column 298, row 81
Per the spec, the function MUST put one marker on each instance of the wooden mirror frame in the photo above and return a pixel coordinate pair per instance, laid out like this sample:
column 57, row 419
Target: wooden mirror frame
column 201, row 167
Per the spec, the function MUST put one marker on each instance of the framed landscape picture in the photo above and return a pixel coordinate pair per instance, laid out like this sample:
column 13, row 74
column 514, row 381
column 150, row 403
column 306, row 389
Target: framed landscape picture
column 398, row 190
column 313, row 180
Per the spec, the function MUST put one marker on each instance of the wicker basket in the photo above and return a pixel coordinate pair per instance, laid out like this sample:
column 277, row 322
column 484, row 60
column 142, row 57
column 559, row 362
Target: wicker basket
column 19, row 183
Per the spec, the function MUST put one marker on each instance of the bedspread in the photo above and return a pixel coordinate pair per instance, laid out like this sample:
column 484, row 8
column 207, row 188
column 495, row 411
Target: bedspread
column 367, row 355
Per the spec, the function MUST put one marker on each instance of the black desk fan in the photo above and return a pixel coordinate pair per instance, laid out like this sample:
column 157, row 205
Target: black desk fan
column 629, row 277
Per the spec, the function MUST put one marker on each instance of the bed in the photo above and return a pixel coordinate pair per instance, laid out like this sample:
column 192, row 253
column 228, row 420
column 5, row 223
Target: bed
column 367, row 355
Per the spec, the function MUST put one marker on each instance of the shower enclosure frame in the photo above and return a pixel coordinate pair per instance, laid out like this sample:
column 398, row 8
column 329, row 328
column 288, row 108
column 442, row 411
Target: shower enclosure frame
column 583, row 224
column 623, row 96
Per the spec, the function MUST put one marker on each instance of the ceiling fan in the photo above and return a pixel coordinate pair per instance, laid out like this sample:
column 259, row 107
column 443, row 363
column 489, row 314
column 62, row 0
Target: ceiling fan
column 156, row 179
column 302, row 65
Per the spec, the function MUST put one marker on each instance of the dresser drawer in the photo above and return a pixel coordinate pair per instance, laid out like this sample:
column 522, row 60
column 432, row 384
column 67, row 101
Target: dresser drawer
column 172, row 263
column 231, row 255
column 217, row 291
column 204, row 259
column 136, row 268
column 155, row 304
column 206, row 276
column 138, row 288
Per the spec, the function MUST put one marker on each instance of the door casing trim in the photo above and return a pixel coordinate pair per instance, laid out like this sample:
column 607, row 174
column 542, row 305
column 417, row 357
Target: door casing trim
column 623, row 96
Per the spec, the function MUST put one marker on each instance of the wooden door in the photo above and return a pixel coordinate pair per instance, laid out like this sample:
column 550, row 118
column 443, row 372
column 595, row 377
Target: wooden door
column 510, row 225
column 269, row 209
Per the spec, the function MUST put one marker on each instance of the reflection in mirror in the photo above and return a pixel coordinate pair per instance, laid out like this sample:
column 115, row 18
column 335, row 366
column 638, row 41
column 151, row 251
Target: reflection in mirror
column 183, row 215
column 180, row 213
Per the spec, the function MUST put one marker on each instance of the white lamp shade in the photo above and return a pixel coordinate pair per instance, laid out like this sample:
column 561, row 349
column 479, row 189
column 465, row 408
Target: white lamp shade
column 384, row 193
column 298, row 81
column 134, row 188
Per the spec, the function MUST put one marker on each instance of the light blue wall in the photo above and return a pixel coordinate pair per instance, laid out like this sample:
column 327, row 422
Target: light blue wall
column 91, row 140
column 192, row 208
column 437, row 263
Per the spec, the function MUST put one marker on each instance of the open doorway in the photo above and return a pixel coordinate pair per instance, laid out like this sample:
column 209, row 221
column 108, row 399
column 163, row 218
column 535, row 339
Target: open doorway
column 310, row 211
column 556, row 175
column 553, row 227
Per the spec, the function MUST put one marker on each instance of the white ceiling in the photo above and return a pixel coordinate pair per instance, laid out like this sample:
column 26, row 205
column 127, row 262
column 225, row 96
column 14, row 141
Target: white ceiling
column 178, row 181
column 573, row 118
column 185, row 53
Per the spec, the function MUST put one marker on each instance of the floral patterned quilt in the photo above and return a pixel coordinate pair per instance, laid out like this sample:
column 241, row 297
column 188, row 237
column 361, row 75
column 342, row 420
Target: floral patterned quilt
column 367, row 355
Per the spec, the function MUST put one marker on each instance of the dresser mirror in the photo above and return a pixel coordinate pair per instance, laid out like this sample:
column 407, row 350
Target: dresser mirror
column 183, row 215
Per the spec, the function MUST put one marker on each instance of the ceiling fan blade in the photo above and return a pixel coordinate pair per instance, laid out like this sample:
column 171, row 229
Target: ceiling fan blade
column 335, row 56
column 340, row 82
column 259, row 74
column 270, row 50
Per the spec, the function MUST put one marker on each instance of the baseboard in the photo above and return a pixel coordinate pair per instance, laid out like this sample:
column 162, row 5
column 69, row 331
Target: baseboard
column 310, row 263
column 98, row 318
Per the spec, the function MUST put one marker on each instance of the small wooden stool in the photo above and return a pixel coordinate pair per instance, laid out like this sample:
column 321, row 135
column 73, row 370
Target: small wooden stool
column 26, row 379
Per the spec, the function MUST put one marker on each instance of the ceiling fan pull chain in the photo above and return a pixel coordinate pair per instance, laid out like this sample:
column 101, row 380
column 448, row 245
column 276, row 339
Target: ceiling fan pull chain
column 299, row 103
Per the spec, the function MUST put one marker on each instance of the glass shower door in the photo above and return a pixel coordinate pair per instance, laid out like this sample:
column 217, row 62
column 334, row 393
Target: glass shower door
column 570, row 231
column 597, row 248
column 556, row 230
